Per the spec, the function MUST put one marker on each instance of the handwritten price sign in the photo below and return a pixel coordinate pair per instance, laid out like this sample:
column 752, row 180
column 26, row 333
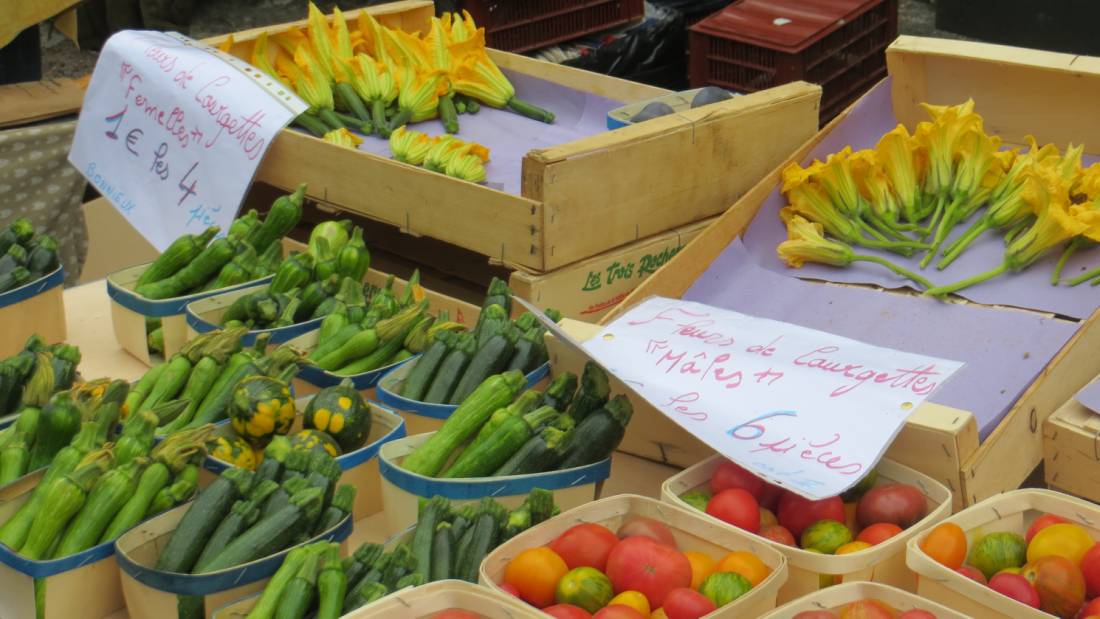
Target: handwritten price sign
column 172, row 131
column 807, row 410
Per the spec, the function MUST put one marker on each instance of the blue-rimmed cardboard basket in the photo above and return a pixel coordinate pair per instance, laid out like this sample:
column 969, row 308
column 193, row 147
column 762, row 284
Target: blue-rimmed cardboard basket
column 360, row 466
column 401, row 490
column 152, row 593
column 204, row 315
column 421, row 417
column 83, row 585
column 311, row 379
column 35, row 307
column 129, row 311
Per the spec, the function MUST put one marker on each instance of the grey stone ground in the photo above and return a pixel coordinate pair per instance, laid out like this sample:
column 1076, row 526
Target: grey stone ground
column 61, row 58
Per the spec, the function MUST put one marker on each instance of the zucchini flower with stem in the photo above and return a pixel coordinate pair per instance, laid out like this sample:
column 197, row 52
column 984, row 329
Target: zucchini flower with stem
column 410, row 146
column 975, row 155
column 939, row 138
column 478, row 77
column 1088, row 214
column 810, row 200
column 903, row 163
column 438, row 46
column 343, row 137
column 418, row 96
column 311, row 83
column 468, row 167
column 372, row 38
column 1053, row 226
column 333, row 49
column 441, row 153
column 376, row 85
column 806, row 242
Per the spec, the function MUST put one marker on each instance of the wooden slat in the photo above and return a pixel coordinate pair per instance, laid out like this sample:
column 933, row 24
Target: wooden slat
column 484, row 220
column 614, row 88
column 1071, row 450
column 29, row 102
column 1015, row 447
column 627, row 184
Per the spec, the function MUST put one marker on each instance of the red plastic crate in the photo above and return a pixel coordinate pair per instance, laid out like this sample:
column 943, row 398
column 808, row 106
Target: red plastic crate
column 757, row 44
column 524, row 25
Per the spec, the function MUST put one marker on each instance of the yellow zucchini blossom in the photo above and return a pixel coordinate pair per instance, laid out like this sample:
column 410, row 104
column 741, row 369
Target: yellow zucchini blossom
column 806, row 242
column 419, row 93
column 372, row 80
column 321, row 40
column 1053, row 226
column 410, row 146
column 939, row 139
column 876, row 189
column 458, row 28
column 343, row 137
column 372, row 37
column 900, row 157
column 311, row 82
column 261, row 59
column 441, row 153
column 836, row 177
column 468, row 167
column 479, row 77
column 1089, row 215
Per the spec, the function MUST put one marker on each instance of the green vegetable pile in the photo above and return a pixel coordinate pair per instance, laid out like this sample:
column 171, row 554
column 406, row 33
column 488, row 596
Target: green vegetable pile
column 495, row 433
column 24, row 255
column 325, row 279
column 454, row 364
column 31, row 376
column 376, row 329
column 203, row 376
column 194, row 263
column 244, row 516
column 98, row 483
column 447, row 542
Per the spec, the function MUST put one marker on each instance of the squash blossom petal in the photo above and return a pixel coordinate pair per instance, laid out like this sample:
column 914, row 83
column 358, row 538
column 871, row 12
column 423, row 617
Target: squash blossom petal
column 458, row 28
column 261, row 59
column 409, row 146
column 438, row 151
column 343, row 137
column 342, row 50
column 419, row 94
column 479, row 77
column 372, row 37
column 810, row 201
column 227, row 44
column 372, row 80
column 1088, row 182
column 806, row 242
column 1053, row 226
column 795, row 175
column 1089, row 215
column 467, row 167
column 438, row 49
column 839, row 183
column 876, row 189
column 320, row 40
column 939, row 138
column 312, row 83
column 898, row 154
column 975, row 156
column 408, row 50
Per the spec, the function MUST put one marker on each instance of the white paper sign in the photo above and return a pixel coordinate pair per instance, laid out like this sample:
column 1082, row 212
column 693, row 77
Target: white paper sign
column 806, row 410
column 172, row 131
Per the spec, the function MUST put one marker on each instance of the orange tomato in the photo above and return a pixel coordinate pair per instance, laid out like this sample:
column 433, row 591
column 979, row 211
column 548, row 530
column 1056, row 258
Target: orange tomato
column 633, row 599
column 701, row 567
column 946, row 544
column 746, row 564
column 878, row 533
column 535, row 572
column 851, row 547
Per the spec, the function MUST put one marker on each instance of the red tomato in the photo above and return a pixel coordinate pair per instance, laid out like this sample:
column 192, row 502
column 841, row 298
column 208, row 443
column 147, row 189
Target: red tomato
column 878, row 533
column 1016, row 587
column 866, row 609
column 566, row 611
column 1041, row 523
column 916, row 613
column 815, row 614
column 648, row 567
column 769, row 498
column 618, row 611
column 585, row 545
column 454, row 613
column 1090, row 609
column 778, row 533
column 729, row 475
column 737, row 507
column 687, row 603
column 1090, row 567
column 647, row 527
column 972, row 573
column 796, row 513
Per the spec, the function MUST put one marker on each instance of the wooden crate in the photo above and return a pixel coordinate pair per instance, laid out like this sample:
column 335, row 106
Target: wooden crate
column 1071, row 450
column 589, row 289
column 940, row 441
column 577, row 199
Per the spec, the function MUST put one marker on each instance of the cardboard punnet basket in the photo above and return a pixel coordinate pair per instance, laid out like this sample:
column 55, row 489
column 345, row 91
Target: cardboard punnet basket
column 83, row 585
column 836, row 597
column 940, row 441
column 1071, row 450
column 883, row 563
column 426, row 600
column 204, row 316
column 1012, row 512
column 691, row 533
column 150, row 592
column 359, row 466
column 577, row 199
column 421, row 417
column 35, row 307
column 402, row 490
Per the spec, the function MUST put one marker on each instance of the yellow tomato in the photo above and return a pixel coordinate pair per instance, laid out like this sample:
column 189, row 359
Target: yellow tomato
column 746, row 564
column 851, row 547
column 1011, row 570
column 701, row 567
column 767, row 518
column 1067, row 540
column 634, row 599
column 658, row 614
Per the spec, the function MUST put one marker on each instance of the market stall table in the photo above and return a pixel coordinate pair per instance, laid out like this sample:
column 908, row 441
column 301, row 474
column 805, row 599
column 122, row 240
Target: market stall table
column 89, row 324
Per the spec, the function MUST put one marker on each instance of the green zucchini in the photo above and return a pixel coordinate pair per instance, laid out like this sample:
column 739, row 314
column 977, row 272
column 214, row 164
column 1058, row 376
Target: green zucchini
column 216, row 402
column 194, row 274
column 299, row 592
column 201, row 519
column 423, row 537
column 492, row 358
column 334, row 342
column 271, row 534
column 560, row 392
column 482, row 539
column 598, row 434
column 107, row 497
column 594, row 392
column 530, row 351
column 284, row 214
column 179, row 254
column 496, row 391
column 144, row 385
column 332, row 584
column 451, row 369
column 268, row 604
column 541, row 452
column 170, row 382
column 358, row 346
column 242, row 515
column 508, row 437
column 441, row 560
